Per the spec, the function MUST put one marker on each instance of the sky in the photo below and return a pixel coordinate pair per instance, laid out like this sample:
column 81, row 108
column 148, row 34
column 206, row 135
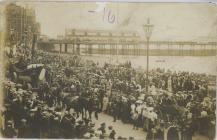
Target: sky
column 172, row 21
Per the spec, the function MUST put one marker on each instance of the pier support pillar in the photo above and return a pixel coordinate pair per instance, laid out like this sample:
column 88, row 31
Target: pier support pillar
column 60, row 48
column 78, row 49
column 66, row 48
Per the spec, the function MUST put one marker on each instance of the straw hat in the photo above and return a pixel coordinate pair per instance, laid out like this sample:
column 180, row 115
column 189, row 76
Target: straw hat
column 139, row 101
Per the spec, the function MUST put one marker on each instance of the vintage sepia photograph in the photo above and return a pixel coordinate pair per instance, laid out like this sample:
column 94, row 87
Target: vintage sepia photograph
column 108, row 70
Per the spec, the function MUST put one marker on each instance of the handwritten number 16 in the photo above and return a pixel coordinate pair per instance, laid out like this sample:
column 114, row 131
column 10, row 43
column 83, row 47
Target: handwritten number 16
column 110, row 17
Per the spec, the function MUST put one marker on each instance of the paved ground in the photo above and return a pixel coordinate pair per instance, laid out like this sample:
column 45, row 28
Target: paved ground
column 199, row 137
column 126, row 130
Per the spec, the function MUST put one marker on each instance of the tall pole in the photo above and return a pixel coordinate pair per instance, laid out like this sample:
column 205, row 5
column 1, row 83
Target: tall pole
column 33, row 44
column 148, row 30
column 21, row 26
column 147, row 72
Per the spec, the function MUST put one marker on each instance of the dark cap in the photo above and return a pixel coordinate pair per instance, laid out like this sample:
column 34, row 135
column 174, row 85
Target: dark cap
column 102, row 124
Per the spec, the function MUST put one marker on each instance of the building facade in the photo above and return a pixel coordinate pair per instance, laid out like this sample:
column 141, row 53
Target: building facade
column 21, row 25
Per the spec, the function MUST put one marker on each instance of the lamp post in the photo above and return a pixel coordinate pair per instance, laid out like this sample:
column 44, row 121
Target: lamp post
column 34, row 40
column 148, row 28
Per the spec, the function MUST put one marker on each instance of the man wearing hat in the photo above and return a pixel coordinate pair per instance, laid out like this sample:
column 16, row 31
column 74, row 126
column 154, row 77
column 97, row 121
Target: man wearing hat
column 103, row 131
column 9, row 131
column 102, row 128
column 23, row 131
column 100, row 97
column 35, row 123
column 115, row 110
column 79, row 129
column 135, row 118
column 66, row 125
column 112, row 133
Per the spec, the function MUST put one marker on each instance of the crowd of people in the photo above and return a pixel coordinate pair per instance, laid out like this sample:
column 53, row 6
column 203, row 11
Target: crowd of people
column 28, row 116
column 62, row 106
